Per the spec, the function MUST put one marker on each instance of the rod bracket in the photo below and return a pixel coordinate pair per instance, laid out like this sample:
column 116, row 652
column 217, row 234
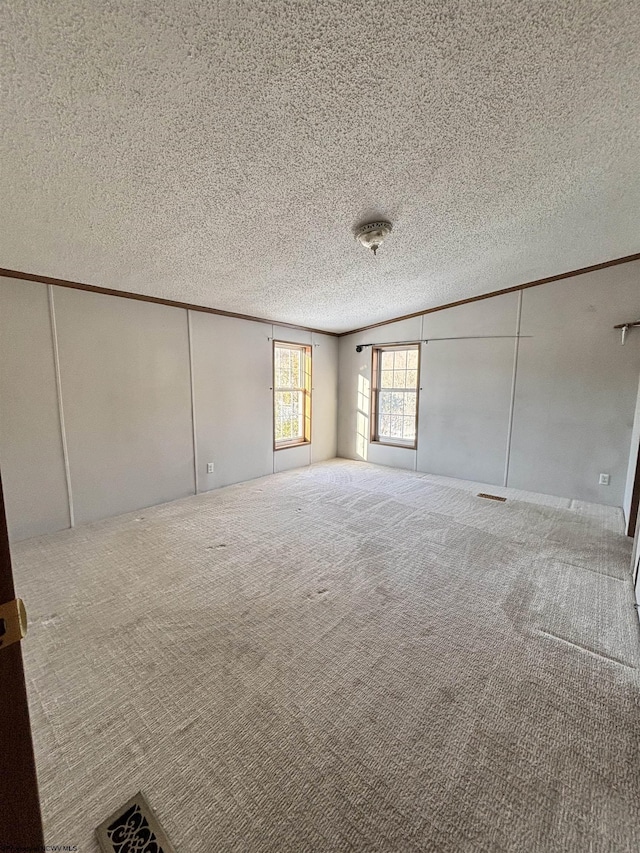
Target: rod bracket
column 624, row 329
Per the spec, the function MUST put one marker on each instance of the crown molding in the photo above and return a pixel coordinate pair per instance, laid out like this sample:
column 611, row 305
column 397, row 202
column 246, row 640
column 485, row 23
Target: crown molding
column 627, row 259
column 142, row 297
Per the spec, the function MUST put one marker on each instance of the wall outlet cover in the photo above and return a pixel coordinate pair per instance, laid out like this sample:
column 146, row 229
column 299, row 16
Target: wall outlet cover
column 604, row 480
column 209, row 467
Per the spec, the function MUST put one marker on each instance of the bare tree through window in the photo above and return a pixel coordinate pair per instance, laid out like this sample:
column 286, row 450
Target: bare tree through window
column 291, row 394
column 395, row 394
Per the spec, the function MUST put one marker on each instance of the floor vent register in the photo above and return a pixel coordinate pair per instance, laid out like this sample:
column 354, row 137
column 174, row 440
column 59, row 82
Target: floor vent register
column 134, row 827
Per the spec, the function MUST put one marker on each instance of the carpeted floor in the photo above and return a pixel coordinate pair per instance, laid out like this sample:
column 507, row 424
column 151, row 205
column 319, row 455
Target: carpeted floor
column 340, row 658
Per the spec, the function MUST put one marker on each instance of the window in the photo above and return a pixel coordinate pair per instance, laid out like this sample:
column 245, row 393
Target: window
column 291, row 394
column 394, row 401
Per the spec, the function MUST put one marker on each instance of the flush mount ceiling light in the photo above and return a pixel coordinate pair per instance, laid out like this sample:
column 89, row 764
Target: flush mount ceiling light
column 372, row 234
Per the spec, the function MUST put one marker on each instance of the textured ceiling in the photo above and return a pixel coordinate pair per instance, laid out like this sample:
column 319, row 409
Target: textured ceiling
column 221, row 152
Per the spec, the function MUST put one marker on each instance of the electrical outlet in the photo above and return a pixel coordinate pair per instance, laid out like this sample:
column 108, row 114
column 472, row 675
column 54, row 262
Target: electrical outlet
column 209, row 467
column 604, row 480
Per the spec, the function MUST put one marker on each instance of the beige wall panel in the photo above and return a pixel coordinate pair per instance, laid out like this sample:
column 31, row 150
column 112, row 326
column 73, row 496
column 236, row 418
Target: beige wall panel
column 324, row 400
column 576, row 386
column 31, row 455
column 233, row 401
column 126, row 390
column 466, row 387
column 291, row 457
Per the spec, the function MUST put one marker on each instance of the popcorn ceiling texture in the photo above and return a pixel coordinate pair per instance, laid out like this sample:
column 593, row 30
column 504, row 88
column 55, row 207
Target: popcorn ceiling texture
column 221, row 153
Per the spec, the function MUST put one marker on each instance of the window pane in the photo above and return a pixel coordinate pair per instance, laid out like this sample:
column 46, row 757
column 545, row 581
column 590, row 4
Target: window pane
column 400, row 360
column 392, row 402
column 397, row 403
column 282, row 356
column 386, row 362
column 397, row 381
column 396, row 428
column 409, row 428
column 288, row 415
column 291, row 393
column 296, row 368
column 386, row 379
column 399, row 378
column 412, row 378
column 384, row 402
column 283, row 367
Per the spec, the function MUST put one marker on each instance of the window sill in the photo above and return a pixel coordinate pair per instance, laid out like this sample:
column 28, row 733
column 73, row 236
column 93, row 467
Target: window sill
column 289, row 446
column 391, row 444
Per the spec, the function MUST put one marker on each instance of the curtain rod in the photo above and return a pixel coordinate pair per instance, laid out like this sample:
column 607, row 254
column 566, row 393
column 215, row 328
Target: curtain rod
column 624, row 328
column 360, row 347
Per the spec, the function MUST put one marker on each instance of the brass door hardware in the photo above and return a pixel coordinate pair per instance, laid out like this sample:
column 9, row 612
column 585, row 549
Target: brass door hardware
column 13, row 622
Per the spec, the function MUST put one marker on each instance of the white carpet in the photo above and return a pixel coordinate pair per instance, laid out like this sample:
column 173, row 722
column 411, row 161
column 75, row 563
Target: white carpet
column 344, row 657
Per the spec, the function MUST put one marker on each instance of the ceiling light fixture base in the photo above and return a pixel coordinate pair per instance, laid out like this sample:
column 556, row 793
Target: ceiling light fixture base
column 373, row 234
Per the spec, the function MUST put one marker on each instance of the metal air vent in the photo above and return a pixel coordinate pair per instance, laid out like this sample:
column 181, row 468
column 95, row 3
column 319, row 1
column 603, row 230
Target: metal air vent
column 134, row 827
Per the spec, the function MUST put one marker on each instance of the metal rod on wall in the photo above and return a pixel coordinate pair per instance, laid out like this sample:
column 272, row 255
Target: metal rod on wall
column 360, row 347
column 624, row 328
column 478, row 338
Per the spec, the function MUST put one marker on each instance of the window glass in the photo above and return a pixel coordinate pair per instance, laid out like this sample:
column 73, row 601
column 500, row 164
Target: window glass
column 395, row 397
column 291, row 394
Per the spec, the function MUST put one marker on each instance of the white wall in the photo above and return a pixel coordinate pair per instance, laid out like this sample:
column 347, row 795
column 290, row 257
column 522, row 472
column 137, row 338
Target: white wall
column 232, row 398
column 576, row 386
column 124, row 373
column 324, row 398
column 33, row 473
column 633, row 455
column 547, row 413
column 134, row 379
column 478, row 371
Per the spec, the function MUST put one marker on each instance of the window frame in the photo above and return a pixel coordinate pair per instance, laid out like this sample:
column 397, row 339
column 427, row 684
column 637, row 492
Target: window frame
column 376, row 352
column 306, row 350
